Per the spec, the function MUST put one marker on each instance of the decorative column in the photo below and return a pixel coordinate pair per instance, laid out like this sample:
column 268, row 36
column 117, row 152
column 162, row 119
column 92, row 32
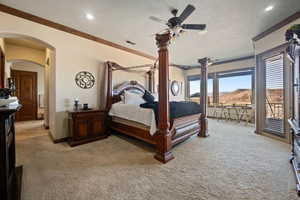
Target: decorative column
column 203, row 97
column 215, row 88
column 164, row 138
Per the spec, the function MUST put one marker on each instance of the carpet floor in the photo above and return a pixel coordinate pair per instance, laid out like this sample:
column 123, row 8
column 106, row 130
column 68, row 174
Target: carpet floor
column 232, row 164
column 29, row 129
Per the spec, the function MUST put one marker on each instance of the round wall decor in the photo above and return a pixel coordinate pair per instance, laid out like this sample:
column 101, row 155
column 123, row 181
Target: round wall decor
column 175, row 88
column 85, row 80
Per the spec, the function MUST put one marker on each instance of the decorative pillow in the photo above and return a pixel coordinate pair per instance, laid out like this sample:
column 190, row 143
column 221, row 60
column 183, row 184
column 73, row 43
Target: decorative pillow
column 148, row 97
column 132, row 98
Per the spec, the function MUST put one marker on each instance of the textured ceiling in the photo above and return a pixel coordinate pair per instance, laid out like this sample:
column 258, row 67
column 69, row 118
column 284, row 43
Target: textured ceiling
column 231, row 24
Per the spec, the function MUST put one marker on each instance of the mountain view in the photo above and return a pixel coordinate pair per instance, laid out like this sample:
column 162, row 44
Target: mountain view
column 242, row 96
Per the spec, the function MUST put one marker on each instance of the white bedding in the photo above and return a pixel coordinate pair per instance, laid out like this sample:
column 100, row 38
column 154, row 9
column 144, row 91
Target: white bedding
column 134, row 113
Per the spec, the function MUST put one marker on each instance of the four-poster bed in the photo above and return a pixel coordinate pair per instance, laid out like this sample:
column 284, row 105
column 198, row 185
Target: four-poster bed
column 169, row 131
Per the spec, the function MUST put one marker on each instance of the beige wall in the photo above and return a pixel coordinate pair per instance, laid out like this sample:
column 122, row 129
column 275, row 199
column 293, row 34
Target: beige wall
column 273, row 40
column 2, row 44
column 7, row 66
column 14, row 52
column 72, row 54
column 121, row 76
column 174, row 74
column 225, row 67
column 177, row 75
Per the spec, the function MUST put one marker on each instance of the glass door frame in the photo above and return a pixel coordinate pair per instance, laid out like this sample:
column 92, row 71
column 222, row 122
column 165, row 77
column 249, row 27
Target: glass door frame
column 261, row 92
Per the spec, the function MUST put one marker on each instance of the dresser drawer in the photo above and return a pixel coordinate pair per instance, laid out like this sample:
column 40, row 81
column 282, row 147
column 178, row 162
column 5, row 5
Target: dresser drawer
column 88, row 115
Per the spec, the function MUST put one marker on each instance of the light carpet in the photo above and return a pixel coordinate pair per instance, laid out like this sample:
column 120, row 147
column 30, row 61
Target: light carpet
column 29, row 129
column 233, row 163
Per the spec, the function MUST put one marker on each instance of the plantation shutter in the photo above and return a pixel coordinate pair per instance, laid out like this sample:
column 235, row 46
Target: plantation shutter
column 274, row 98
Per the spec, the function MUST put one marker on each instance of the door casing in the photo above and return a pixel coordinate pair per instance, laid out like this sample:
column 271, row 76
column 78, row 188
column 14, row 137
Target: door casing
column 261, row 93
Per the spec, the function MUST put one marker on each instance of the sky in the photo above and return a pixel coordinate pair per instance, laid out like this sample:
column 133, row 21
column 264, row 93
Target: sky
column 225, row 84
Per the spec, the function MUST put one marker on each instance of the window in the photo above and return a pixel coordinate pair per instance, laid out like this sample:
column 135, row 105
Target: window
column 235, row 90
column 234, row 87
column 194, row 89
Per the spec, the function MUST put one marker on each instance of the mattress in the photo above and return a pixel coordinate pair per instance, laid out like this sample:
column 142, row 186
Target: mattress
column 134, row 113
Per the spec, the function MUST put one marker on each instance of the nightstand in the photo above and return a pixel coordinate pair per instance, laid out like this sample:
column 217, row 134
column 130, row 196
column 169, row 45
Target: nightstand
column 87, row 126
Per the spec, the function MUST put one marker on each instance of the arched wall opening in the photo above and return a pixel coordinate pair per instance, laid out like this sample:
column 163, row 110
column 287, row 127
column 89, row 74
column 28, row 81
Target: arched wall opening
column 17, row 65
column 47, row 63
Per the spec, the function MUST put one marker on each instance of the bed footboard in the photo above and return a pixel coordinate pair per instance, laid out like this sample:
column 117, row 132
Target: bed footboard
column 185, row 127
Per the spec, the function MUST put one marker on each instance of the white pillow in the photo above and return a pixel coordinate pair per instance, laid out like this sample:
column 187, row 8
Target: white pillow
column 132, row 98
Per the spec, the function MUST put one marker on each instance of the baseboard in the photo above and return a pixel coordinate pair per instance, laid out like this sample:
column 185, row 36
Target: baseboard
column 55, row 141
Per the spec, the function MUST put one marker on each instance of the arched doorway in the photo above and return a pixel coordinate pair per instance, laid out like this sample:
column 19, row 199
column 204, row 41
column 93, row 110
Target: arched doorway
column 32, row 52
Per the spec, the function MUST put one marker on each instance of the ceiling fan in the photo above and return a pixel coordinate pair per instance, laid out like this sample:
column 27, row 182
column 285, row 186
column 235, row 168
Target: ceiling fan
column 175, row 23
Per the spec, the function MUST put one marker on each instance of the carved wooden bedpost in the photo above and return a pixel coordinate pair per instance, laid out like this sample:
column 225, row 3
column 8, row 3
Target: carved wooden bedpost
column 151, row 80
column 164, row 140
column 109, row 87
column 203, row 97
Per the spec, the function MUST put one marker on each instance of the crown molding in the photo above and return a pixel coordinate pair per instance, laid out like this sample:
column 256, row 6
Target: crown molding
column 61, row 27
column 188, row 67
column 277, row 26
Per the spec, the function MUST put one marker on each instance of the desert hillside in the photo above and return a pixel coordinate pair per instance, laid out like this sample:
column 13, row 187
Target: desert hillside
column 240, row 96
column 243, row 96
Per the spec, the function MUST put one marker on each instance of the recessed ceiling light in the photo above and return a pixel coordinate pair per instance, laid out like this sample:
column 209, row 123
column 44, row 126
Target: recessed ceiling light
column 269, row 8
column 89, row 16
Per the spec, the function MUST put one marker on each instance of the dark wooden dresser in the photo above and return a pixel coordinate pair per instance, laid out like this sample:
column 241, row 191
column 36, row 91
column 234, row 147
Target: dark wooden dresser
column 294, row 56
column 86, row 126
column 10, row 175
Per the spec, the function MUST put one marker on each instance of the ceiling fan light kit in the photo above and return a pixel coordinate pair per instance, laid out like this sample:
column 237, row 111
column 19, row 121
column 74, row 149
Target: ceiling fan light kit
column 175, row 26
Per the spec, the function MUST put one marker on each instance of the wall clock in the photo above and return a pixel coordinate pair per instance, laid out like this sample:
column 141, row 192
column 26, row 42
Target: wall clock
column 85, row 80
column 175, row 88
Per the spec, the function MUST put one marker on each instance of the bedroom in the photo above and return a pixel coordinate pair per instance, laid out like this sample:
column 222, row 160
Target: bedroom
column 75, row 43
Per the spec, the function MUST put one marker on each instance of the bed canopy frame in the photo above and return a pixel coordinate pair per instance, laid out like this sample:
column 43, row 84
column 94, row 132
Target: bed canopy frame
column 169, row 133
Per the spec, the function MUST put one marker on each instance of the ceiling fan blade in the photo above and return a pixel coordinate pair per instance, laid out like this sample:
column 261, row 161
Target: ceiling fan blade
column 194, row 26
column 158, row 20
column 187, row 12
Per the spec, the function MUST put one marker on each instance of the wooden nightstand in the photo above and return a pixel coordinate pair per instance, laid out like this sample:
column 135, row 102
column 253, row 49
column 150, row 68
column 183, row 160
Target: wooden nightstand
column 86, row 126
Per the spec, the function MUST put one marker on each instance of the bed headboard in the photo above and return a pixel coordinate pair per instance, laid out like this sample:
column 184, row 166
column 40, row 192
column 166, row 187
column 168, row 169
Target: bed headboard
column 114, row 94
column 132, row 86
